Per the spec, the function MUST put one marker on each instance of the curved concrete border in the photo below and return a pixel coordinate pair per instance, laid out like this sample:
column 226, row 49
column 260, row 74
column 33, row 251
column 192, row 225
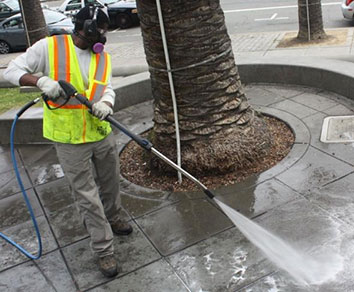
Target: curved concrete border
column 332, row 75
column 301, row 144
column 328, row 74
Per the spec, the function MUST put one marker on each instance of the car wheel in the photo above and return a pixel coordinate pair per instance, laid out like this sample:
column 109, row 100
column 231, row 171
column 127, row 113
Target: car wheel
column 4, row 47
column 123, row 20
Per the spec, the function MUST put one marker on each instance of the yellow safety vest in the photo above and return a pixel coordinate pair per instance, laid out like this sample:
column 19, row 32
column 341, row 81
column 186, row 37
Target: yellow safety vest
column 73, row 123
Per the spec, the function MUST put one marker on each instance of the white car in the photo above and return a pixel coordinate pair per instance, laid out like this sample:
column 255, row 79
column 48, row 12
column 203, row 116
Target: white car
column 122, row 13
column 348, row 9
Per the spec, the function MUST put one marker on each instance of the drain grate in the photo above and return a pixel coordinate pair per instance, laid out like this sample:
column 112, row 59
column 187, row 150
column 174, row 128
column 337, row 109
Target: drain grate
column 338, row 129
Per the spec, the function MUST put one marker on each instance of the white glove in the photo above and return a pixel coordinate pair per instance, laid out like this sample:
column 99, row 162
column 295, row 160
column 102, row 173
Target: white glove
column 50, row 88
column 101, row 110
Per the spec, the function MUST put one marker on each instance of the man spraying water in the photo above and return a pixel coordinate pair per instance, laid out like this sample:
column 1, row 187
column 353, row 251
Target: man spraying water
column 83, row 141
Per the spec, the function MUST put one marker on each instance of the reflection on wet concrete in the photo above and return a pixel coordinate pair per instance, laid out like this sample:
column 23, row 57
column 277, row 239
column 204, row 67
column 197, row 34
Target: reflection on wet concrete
column 42, row 163
column 13, row 210
column 182, row 241
column 9, row 184
column 253, row 200
column 183, row 224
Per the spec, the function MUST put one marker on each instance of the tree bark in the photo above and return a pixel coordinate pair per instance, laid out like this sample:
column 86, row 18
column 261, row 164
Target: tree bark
column 34, row 21
column 315, row 19
column 219, row 130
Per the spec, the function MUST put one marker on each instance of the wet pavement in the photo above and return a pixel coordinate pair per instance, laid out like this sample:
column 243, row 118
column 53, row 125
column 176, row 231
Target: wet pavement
column 182, row 241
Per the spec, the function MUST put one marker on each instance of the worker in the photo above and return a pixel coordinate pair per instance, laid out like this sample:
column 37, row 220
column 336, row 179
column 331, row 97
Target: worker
column 84, row 142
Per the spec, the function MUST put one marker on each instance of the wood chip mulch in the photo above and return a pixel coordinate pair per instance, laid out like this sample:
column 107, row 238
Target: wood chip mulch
column 135, row 169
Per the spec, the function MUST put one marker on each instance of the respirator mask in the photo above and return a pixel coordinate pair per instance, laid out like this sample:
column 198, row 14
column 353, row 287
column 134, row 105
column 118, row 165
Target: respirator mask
column 93, row 35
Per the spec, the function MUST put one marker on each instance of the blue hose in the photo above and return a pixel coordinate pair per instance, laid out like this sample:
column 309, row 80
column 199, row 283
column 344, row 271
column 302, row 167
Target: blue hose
column 9, row 240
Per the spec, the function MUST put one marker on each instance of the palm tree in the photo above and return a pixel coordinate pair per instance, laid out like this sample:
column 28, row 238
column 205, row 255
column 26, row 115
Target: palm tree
column 219, row 130
column 34, row 22
column 310, row 20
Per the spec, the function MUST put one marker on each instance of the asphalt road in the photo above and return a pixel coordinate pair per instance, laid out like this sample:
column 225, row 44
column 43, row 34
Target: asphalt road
column 274, row 15
column 243, row 16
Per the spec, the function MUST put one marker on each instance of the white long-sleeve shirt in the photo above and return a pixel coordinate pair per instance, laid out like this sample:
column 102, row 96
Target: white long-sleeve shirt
column 35, row 60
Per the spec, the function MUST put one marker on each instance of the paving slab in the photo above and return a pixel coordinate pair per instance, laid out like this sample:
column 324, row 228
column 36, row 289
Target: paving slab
column 336, row 198
column 139, row 204
column 6, row 160
column 13, row 209
column 285, row 91
column 67, row 225
column 315, row 169
column 9, row 184
column 132, row 252
column 257, row 199
column 55, row 195
column 224, row 262
column 295, row 108
column 158, row 276
column 339, row 110
column 314, row 101
column 24, row 235
column 46, row 274
column 137, row 118
column 61, row 211
column 261, row 96
column 183, row 224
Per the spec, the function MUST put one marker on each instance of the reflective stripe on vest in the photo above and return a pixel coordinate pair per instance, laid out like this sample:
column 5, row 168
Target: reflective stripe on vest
column 72, row 123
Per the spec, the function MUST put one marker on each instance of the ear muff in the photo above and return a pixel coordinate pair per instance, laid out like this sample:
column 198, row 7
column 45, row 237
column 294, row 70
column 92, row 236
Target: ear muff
column 90, row 25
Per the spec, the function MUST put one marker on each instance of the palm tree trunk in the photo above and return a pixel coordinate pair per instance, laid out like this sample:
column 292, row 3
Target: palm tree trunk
column 314, row 11
column 219, row 130
column 34, row 20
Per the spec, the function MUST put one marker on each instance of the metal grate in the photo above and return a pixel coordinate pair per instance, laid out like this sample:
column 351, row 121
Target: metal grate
column 338, row 129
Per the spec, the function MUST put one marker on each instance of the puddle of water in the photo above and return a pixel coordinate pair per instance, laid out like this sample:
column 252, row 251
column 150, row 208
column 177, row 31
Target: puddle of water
column 45, row 173
column 304, row 269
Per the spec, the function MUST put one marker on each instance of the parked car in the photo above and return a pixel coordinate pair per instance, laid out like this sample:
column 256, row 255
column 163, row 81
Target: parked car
column 8, row 8
column 13, row 36
column 122, row 13
column 348, row 9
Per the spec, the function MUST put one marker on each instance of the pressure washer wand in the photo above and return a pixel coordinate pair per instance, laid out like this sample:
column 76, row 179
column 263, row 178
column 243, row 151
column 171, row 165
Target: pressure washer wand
column 146, row 144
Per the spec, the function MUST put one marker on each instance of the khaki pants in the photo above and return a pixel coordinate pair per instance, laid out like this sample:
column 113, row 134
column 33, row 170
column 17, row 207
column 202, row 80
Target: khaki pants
column 98, row 203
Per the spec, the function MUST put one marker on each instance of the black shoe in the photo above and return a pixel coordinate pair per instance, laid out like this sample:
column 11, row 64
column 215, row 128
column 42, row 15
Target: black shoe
column 121, row 228
column 108, row 265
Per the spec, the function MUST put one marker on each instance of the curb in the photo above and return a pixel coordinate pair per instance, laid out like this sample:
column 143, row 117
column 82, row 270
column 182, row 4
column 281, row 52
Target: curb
column 121, row 71
column 328, row 74
column 332, row 75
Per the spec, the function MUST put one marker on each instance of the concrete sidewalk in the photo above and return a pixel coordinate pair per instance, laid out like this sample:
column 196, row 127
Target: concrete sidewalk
column 181, row 241
column 131, row 54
